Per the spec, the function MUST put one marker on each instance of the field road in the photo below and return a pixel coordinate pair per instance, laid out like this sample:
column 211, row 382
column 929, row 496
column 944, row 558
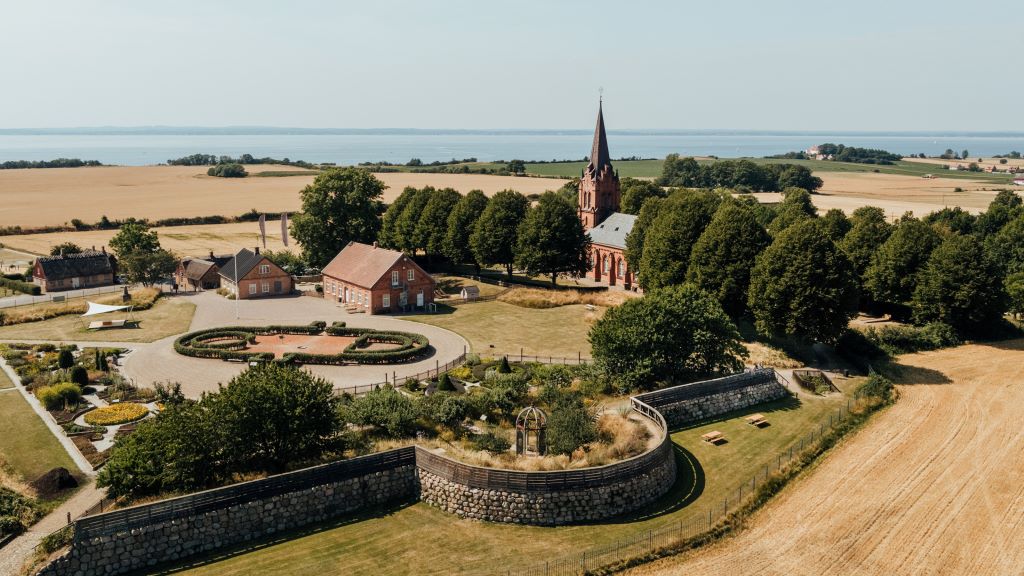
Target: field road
column 931, row 486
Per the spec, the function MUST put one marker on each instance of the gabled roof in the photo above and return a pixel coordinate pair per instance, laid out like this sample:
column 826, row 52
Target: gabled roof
column 364, row 264
column 612, row 230
column 88, row 263
column 247, row 260
column 599, row 156
column 196, row 268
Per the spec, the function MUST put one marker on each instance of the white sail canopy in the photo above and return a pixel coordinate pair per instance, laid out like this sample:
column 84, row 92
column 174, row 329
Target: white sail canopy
column 95, row 309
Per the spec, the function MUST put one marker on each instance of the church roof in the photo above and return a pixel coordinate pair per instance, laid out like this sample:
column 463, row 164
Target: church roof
column 613, row 230
column 599, row 156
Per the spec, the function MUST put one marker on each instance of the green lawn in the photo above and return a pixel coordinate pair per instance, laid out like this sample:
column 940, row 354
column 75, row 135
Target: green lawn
column 499, row 327
column 419, row 539
column 167, row 317
column 27, row 448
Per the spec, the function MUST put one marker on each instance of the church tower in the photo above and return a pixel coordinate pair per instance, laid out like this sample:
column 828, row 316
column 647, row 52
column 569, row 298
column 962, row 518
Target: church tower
column 599, row 194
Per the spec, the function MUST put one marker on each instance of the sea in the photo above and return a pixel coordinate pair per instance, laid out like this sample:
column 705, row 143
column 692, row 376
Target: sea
column 147, row 146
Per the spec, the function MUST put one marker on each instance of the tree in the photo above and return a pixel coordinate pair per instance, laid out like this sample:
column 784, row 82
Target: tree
column 65, row 248
column 722, row 258
column 670, row 335
column 796, row 206
column 495, row 234
column 340, row 206
column 836, row 224
column 388, row 236
column 964, row 154
column 516, row 167
column 433, row 224
column 1007, row 246
column 65, row 359
column 284, row 415
column 551, row 240
column 636, row 237
column 868, row 232
column 893, row 273
column 230, row 170
column 1001, row 211
column 461, row 223
column 147, row 268
column 446, row 409
column 1015, row 292
column 960, row 286
column 954, row 219
column 387, row 409
column 409, row 221
column 667, row 243
column 134, row 237
column 570, row 425
column 100, row 361
column 635, row 192
column 80, row 376
column 803, row 285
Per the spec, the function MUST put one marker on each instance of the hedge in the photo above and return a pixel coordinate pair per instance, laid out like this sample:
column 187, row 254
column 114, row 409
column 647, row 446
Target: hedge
column 409, row 345
column 21, row 286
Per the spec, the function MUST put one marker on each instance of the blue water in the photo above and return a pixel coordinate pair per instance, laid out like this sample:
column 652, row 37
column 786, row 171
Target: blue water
column 141, row 148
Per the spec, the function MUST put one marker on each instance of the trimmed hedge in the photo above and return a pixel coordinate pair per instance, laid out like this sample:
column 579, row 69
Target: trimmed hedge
column 21, row 286
column 409, row 345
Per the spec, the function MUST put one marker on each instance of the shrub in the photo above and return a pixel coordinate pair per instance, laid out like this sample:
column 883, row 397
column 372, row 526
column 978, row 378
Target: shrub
column 116, row 414
column 895, row 340
column 570, row 426
column 446, row 409
column 472, row 359
column 411, row 384
column 80, row 376
column 444, row 383
column 503, row 367
column 10, row 525
column 387, row 409
column 65, row 359
column 59, row 396
column 227, row 171
column 877, row 387
column 492, row 443
column 20, row 286
column 461, row 373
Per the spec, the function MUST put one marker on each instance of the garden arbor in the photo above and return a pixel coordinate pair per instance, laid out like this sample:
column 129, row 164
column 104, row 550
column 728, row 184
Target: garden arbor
column 533, row 421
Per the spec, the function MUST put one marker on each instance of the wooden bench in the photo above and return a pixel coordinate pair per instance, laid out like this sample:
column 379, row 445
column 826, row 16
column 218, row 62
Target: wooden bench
column 106, row 324
column 756, row 420
column 712, row 437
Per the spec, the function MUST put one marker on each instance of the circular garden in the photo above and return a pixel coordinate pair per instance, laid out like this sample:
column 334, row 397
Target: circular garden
column 315, row 343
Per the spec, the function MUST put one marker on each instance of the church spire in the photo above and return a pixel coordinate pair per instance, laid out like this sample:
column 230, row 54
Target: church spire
column 599, row 156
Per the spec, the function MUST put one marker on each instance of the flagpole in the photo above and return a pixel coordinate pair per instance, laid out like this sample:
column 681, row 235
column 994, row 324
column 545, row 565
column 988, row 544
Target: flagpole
column 238, row 286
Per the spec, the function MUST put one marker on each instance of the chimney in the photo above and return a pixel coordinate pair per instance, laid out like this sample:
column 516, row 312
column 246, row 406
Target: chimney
column 104, row 249
column 211, row 254
column 257, row 250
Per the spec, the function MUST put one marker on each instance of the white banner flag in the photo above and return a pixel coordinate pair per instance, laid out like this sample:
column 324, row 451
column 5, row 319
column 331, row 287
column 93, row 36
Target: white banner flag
column 263, row 230
column 284, row 228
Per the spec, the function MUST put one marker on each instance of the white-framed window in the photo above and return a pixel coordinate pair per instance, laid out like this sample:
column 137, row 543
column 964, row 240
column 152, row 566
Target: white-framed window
column 385, row 301
column 604, row 265
column 394, row 277
column 252, row 288
column 266, row 287
column 622, row 269
column 411, row 275
column 264, row 268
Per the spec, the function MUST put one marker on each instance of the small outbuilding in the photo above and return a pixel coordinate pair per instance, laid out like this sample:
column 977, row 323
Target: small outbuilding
column 470, row 292
column 377, row 280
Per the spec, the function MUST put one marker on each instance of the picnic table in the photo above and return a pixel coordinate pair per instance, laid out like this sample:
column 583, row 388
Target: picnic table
column 756, row 420
column 106, row 324
column 712, row 437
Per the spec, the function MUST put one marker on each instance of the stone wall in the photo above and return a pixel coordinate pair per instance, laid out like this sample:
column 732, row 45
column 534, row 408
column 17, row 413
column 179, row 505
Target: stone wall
column 152, row 544
column 549, row 508
column 685, row 411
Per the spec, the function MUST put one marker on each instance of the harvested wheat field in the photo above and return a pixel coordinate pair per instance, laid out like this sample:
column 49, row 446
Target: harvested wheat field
column 52, row 197
column 985, row 163
column 930, row 486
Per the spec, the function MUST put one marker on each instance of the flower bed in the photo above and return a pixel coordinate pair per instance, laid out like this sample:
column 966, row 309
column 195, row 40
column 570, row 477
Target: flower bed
column 116, row 414
column 230, row 343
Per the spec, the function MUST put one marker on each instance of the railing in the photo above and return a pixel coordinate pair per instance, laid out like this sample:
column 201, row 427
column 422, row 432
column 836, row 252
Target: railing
column 646, row 542
column 397, row 380
column 551, row 359
column 219, row 498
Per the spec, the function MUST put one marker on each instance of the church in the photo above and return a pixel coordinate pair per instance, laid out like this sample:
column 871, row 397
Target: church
column 599, row 197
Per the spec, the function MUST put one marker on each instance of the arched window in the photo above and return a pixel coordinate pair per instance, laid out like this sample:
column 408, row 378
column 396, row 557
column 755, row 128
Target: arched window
column 604, row 266
column 622, row 269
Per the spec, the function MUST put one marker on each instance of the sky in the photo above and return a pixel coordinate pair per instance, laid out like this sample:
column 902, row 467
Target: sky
column 779, row 65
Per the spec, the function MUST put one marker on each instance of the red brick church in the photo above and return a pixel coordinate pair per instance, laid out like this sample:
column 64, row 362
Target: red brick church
column 599, row 198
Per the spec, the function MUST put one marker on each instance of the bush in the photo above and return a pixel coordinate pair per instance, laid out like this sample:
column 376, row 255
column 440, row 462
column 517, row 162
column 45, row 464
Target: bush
column 446, row 409
column 116, row 414
column 79, row 376
column 895, row 340
column 492, row 443
column 59, row 396
column 570, row 426
column 227, row 171
column 10, row 525
column 878, row 387
column 387, row 409
column 503, row 367
column 472, row 359
column 411, row 384
column 444, row 383
column 20, row 286
column 65, row 359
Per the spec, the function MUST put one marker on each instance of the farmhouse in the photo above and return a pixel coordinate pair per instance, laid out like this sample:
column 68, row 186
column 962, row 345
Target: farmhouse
column 257, row 276
column 72, row 271
column 377, row 280
column 200, row 273
column 599, row 198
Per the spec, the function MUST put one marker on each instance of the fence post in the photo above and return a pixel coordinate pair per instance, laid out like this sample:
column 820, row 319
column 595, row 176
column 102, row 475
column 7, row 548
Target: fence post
column 520, row 355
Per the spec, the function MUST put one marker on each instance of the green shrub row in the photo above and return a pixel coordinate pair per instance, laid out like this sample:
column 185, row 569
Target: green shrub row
column 21, row 286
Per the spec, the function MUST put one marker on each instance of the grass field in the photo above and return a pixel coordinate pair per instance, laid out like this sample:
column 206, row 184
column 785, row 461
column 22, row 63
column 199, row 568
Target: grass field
column 929, row 486
column 498, row 327
column 167, row 317
column 29, row 450
column 419, row 539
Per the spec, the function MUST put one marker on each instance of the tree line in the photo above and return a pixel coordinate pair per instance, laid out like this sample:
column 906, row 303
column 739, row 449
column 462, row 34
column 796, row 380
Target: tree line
column 844, row 153
column 741, row 175
column 58, row 163
column 213, row 160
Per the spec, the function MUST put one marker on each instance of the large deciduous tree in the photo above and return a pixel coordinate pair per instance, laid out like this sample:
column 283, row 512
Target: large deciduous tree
column 635, row 192
column 803, row 285
column 340, row 206
column 388, row 236
column 723, row 256
column 868, row 232
column 1007, row 246
column 494, row 237
column 433, row 224
column 670, row 238
column 961, row 286
column 551, row 240
column 893, row 273
column 134, row 237
column 139, row 255
column 796, row 206
column 407, row 227
column 670, row 335
column 461, row 222
column 636, row 237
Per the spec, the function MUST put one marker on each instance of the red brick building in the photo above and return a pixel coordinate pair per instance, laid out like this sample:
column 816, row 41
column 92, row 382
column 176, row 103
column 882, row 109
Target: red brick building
column 195, row 274
column 254, row 276
column 87, row 269
column 377, row 280
column 599, row 199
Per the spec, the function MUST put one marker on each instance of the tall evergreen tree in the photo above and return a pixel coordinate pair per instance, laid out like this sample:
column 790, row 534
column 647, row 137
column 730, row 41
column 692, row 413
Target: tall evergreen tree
column 803, row 285
column 722, row 258
column 551, row 239
column 495, row 234
column 340, row 206
column 461, row 222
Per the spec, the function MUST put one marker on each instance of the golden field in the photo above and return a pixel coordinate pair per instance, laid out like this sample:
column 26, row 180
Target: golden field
column 53, row 196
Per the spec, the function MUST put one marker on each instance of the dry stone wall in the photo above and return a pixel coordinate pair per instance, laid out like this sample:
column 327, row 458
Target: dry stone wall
column 731, row 395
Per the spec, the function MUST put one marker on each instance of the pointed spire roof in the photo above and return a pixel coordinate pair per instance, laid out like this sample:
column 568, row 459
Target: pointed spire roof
column 599, row 155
